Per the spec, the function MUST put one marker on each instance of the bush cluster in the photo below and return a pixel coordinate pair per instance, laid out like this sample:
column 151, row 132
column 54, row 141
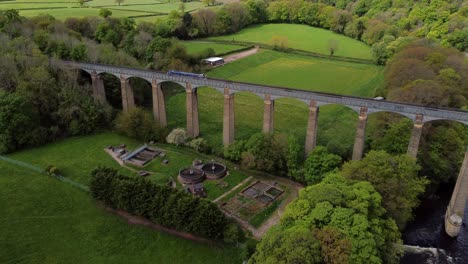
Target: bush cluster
column 163, row 205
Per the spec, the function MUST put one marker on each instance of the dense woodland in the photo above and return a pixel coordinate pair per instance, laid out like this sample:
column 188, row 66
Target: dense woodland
column 350, row 212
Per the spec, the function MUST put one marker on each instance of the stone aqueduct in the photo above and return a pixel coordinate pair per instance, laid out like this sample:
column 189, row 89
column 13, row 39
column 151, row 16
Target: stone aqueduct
column 363, row 106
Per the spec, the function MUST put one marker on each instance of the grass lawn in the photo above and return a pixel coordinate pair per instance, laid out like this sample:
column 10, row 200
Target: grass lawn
column 194, row 47
column 62, row 9
column 44, row 220
column 302, row 37
column 336, row 123
column 76, row 157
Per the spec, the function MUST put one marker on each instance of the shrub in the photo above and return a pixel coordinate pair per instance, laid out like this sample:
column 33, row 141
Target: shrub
column 177, row 137
column 136, row 123
column 51, row 170
column 200, row 145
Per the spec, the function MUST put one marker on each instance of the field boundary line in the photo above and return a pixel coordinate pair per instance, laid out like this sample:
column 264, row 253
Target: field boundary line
column 41, row 171
column 295, row 51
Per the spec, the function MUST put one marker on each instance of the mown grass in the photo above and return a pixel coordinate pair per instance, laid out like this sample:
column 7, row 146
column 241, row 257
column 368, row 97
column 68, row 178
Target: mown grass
column 76, row 157
column 302, row 37
column 43, row 220
column 194, row 47
column 336, row 123
column 62, row 9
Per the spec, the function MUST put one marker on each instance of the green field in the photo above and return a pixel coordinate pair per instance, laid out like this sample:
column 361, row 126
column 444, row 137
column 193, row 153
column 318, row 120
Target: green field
column 140, row 10
column 76, row 157
column 336, row 123
column 194, row 47
column 301, row 37
column 44, row 220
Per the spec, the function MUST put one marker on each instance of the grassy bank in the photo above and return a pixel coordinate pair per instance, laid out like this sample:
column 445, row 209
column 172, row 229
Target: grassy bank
column 44, row 220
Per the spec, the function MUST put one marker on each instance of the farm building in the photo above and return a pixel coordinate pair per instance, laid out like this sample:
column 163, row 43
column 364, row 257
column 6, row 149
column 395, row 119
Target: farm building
column 213, row 61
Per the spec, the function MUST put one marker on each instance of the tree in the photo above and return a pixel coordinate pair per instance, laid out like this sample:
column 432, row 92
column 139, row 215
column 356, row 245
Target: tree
column 318, row 163
column 355, row 209
column 205, row 20
column 335, row 246
column 119, row 1
column 394, row 177
column 81, row 3
column 332, row 46
column 136, row 123
column 292, row 245
column 105, row 13
column 293, row 158
column 279, row 42
column 208, row 2
column 17, row 122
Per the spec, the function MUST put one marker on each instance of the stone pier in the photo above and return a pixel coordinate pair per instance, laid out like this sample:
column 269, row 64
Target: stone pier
column 159, row 105
column 193, row 129
column 456, row 207
column 360, row 139
column 268, row 114
column 228, row 118
column 311, row 136
column 99, row 92
column 128, row 100
column 413, row 145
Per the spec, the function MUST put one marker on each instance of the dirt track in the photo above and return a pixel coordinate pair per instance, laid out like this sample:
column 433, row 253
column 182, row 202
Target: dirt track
column 240, row 55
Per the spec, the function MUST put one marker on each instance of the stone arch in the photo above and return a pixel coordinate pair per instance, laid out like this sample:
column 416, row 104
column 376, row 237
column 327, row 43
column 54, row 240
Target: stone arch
column 385, row 124
column 141, row 88
column 248, row 112
column 211, row 102
column 428, row 119
column 291, row 117
column 112, row 88
column 337, row 125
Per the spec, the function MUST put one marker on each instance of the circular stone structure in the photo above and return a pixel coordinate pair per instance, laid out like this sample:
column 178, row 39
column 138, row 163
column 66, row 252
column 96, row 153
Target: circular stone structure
column 214, row 170
column 191, row 176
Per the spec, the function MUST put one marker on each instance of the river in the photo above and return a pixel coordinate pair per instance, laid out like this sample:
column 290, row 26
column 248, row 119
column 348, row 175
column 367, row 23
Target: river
column 427, row 238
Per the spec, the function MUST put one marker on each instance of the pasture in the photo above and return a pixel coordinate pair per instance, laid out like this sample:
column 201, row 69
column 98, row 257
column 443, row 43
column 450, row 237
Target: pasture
column 140, row 10
column 44, row 220
column 301, row 37
column 336, row 123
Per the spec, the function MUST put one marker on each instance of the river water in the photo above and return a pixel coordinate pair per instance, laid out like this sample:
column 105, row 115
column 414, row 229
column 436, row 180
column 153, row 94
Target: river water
column 427, row 238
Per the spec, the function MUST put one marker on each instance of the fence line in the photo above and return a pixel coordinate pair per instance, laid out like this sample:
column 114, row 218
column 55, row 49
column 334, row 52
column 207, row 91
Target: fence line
column 41, row 171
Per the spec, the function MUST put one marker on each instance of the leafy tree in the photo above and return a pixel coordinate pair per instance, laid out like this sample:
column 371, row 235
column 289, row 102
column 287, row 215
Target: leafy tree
column 136, row 123
column 335, row 246
column 81, row 3
column 105, row 13
column 394, row 177
column 352, row 207
column 234, row 151
column 292, row 245
column 17, row 122
column 267, row 152
column 318, row 163
column 293, row 158
column 392, row 135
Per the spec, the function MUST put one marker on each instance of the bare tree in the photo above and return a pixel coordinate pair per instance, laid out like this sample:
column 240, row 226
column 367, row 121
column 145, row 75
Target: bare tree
column 119, row 1
column 332, row 46
column 205, row 20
